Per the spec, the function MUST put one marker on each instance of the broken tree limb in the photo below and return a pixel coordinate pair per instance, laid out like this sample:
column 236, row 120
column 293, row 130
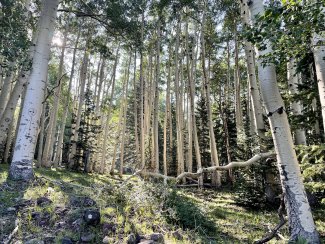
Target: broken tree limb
column 274, row 232
column 231, row 165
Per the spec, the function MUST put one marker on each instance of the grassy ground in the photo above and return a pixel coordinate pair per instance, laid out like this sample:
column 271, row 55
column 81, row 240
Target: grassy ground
column 138, row 207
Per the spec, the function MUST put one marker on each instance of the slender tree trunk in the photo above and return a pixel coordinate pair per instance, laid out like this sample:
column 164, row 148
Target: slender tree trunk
column 299, row 214
column 293, row 81
column 135, row 90
column 58, row 157
column 216, row 179
column 119, row 127
column 179, row 132
column 191, row 124
column 104, row 152
column 83, row 76
column 156, row 108
column 142, row 132
column 125, row 108
column 50, row 137
column 319, row 54
column 167, row 111
column 238, row 108
column 6, row 88
column 22, row 162
column 255, row 97
column 100, row 85
column 11, row 132
column 41, row 138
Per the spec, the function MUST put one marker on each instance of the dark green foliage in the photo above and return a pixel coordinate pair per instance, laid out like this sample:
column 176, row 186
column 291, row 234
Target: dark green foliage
column 258, row 186
column 203, row 131
column 311, row 159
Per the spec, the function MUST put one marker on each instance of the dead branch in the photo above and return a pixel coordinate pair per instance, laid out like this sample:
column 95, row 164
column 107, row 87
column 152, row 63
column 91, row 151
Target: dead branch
column 231, row 165
column 12, row 233
column 274, row 232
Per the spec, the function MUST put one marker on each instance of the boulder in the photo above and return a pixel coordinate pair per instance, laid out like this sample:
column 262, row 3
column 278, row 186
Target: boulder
column 87, row 238
column 43, row 201
column 66, row 240
column 91, row 217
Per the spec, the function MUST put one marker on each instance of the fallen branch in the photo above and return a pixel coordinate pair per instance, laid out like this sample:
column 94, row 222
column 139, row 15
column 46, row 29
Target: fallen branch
column 12, row 233
column 274, row 232
column 231, row 165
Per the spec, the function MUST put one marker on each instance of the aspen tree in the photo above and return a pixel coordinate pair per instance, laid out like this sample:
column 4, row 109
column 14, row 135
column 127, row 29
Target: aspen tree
column 22, row 162
column 50, row 137
column 213, row 147
column 301, row 221
column 58, row 157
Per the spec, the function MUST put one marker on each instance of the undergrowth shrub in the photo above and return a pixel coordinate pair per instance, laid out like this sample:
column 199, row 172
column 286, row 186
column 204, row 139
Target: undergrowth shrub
column 312, row 164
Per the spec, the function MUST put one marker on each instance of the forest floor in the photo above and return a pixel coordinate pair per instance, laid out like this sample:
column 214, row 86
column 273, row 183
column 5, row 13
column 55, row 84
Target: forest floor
column 54, row 209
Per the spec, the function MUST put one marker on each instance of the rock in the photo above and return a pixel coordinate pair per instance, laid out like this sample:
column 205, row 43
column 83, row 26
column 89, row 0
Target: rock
column 92, row 217
column 43, row 201
column 77, row 224
column 157, row 237
column 145, row 241
column 66, row 240
column 109, row 228
column 132, row 239
column 60, row 210
column 11, row 210
column 34, row 241
column 87, row 237
column 49, row 239
column 108, row 240
column 82, row 202
column 59, row 224
column 177, row 235
column 25, row 203
column 36, row 215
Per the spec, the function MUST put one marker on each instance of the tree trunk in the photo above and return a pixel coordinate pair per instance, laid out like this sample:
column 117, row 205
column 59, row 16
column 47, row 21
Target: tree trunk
column 83, row 76
column 296, row 107
column 6, row 88
column 142, row 132
column 179, row 112
column 299, row 214
column 319, row 54
column 238, row 108
column 104, row 153
column 22, row 162
column 156, row 108
column 50, row 136
column 58, row 157
column 255, row 97
column 216, row 180
column 125, row 108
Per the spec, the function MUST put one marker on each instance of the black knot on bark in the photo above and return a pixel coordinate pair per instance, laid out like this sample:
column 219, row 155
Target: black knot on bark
column 279, row 111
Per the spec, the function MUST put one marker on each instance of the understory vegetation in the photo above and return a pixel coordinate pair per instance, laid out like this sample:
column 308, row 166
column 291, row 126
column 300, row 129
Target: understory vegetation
column 128, row 206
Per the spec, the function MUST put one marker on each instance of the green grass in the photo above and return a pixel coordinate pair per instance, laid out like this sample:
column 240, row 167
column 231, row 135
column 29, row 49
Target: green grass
column 139, row 207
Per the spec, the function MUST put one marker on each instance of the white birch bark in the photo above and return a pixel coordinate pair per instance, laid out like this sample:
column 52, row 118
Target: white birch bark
column 299, row 214
column 22, row 162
